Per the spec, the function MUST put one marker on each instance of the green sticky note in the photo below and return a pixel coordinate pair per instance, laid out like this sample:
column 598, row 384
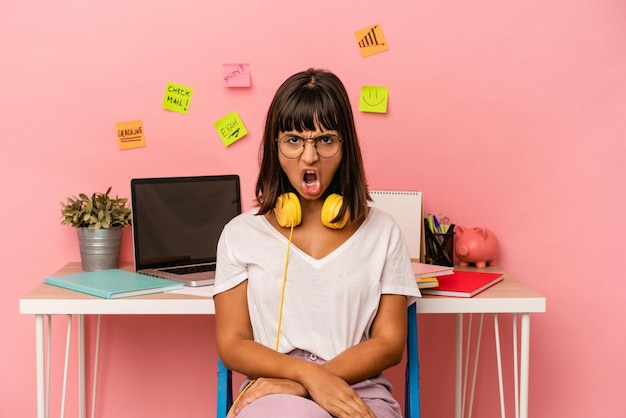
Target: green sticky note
column 374, row 99
column 230, row 128
column 177, row 98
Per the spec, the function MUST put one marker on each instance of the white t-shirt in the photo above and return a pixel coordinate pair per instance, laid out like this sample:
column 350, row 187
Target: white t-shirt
column 329, row 303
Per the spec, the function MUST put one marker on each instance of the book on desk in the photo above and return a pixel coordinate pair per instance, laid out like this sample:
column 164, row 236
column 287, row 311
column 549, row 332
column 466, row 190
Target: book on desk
column 427, row 282
column 426, row 274
column 463, row 283
column 422, row 270
column 113, row 284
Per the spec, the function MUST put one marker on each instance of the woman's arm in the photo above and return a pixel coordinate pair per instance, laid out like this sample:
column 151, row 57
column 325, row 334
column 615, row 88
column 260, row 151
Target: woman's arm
column 235, row 342
column 384, row 348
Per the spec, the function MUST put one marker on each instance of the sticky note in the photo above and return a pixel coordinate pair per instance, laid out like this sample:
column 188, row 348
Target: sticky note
column 130, row 134
column 177, row 98
column 230, row 128
column 236, row 75
column 371, row 40
column 374, row 99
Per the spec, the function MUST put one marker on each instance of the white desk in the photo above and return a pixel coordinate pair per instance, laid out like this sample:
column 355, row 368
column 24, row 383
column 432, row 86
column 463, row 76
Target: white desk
column 45, row 300
column 508, row 296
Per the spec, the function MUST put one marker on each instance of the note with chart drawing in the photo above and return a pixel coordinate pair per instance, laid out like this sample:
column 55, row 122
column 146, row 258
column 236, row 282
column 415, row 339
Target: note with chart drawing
column 371, row 40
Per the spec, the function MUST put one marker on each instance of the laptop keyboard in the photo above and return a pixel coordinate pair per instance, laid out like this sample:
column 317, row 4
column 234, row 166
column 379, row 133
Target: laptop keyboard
column 191, row 269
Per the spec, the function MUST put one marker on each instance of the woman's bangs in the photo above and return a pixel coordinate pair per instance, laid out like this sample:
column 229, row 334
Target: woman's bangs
column 307, row 113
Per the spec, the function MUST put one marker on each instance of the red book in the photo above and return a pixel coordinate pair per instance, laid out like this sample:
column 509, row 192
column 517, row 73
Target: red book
column 463, row 284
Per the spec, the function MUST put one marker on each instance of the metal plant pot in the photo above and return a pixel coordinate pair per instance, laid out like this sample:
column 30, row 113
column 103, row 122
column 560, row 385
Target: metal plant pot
column 99, row 248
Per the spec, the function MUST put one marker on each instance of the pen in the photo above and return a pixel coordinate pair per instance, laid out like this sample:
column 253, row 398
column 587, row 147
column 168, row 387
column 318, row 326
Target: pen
column 429, row 241
column 431, row 224
column 437, row 225
column 444, row 221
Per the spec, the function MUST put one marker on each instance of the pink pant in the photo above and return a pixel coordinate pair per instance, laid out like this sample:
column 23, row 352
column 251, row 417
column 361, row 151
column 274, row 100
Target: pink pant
column 376, row 393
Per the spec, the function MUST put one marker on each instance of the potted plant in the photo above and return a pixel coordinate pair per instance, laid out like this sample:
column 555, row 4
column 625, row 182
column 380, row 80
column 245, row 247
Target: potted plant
column 99, row 221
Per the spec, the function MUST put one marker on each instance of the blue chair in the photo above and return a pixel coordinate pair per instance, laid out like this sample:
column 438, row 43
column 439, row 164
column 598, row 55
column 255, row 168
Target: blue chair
column 412, row 388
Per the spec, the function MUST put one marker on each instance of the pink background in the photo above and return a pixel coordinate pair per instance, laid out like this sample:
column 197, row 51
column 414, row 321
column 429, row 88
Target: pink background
column 505, row 114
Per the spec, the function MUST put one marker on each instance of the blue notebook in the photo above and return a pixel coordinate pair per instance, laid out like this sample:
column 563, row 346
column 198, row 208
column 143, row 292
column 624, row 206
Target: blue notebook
column 113, row 284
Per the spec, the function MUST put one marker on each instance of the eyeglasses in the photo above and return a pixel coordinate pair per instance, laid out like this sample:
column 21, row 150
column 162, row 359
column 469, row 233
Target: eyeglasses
column 292, row 146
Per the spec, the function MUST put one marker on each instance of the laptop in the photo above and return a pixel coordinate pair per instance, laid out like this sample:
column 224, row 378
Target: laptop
column 177, row 222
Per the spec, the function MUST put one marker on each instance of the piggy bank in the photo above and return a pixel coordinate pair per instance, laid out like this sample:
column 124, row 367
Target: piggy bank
column 476, row 245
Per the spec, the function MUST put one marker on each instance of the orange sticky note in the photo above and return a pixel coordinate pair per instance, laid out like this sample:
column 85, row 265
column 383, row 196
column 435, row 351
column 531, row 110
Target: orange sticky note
column 130, row 134
column 371, row 40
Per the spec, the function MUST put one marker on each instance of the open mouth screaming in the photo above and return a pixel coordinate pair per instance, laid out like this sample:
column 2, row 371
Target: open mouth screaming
column 310, row 183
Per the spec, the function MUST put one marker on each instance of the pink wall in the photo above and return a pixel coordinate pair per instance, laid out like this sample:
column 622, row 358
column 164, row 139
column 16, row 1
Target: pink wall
column 509, row 115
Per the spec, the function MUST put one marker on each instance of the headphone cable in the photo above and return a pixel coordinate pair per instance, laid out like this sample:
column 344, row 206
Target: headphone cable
column 282, row 292
column 280, row 313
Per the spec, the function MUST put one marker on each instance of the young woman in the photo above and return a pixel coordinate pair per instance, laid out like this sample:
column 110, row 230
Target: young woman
column 311, row 286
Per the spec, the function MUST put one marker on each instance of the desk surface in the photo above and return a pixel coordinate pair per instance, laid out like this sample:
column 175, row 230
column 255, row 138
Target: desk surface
column 508, row 296
column 49, row 299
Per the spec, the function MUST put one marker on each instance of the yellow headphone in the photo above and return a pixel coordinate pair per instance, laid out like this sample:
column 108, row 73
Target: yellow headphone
column 289, row 212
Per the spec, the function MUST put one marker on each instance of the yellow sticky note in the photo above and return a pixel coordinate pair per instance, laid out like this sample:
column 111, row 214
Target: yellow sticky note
column 374, row 99
column 177, row 98
column 130, row 134
column 230, row 128
column 371, row 40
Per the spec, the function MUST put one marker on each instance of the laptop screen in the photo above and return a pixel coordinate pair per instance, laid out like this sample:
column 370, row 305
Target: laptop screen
column 178, row 220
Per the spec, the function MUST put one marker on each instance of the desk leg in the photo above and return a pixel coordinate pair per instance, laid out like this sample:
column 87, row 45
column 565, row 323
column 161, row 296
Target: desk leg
column 458, row 391
column 524, row 365
column 521, row 389
column 39, row 354
column 82, row 413
column 41, row 367
column 523, row 362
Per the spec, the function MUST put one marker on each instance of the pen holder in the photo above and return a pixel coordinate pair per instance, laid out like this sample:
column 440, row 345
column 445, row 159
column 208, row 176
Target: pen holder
column 440, row 248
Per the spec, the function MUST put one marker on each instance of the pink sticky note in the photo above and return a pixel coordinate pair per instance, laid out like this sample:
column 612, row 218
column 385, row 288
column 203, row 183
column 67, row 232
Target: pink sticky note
column 236, row 75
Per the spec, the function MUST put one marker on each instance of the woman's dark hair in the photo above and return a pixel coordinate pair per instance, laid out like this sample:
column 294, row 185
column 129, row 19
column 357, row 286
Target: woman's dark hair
column 305, row 101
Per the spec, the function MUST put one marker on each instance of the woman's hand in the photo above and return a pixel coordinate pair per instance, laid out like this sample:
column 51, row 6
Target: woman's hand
column 337, row 397
column 330, row 392
column 268, row 386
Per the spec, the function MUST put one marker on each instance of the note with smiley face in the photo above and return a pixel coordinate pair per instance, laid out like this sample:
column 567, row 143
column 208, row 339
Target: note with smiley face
column 374, row 99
